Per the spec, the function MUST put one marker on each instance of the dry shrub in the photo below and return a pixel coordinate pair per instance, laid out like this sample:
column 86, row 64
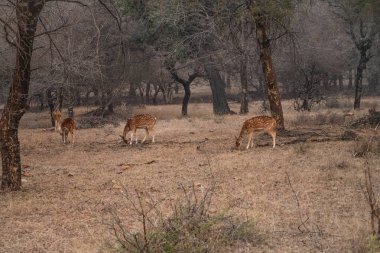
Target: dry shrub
column 329, row 119
column 190, row 227
column 94, row 122
column 366, row 245
column 303, row 119
column 366, row 146
column 332, row 103
column 219, row 119
column 342, row 165
column 373, row 245
column 335, row 103
column 303, row 148
column 319, row 119
column 372, row 119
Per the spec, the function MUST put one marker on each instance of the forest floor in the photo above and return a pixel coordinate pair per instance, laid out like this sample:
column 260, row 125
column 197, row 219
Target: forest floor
column 305, row 196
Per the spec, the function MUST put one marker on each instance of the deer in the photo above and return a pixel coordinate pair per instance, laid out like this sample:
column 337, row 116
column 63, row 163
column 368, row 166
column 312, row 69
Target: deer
column 68, row 125
column 65, row 127
column 255, row 124
column 57, row 116
column 140, row 121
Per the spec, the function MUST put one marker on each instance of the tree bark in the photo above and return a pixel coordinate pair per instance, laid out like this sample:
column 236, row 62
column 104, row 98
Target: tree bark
column 97, row 97
column 340, row 79
column 363, row 48
column 244, row 86
column 359, row 83
column 70, row 95
column 219, row 100
column 186, row 86
column 373, row 82
column 334, row 81
column 350, row 79
column 147, row 93
column 132, row 89
column 268, row 70
column 186, row 98
column 54, row 98
column 228, row 82
column 27, row 13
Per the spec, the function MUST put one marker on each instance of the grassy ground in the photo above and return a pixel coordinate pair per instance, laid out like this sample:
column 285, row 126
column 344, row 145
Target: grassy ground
column 305, row 197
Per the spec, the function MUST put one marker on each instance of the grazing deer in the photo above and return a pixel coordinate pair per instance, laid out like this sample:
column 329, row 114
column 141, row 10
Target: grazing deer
column 68, row 126
column 57, row 116
column 140, row 121
column 255, row 124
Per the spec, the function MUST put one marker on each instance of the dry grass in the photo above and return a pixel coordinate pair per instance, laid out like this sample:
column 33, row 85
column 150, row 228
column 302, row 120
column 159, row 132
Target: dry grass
column 304, row 197
column 190, row 226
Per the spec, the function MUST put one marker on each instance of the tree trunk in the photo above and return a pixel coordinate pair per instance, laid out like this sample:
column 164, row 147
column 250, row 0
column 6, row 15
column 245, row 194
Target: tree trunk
column 132, row 89
column 53, row 103
column 350, row 79
column 186, row 98
column 110, row 108
column 147, row 93
column 305, row 104
column 78, row 99
column 155, row 94
column 97, row 97
column 70, row 95
column 244, row 86
column 268, row 70
column 60, row 98
column 219, row 100
column 261, row 87
column 228, row 82
column 164, row 97
column 334, row 83
column 87, row 97
column 176, row 88
column 41, row 100
column 359, row 77
column 27, row 13
column 340, row 78
column 326, row 83
column 358, row 86
column 186, row 85
column 372, row 82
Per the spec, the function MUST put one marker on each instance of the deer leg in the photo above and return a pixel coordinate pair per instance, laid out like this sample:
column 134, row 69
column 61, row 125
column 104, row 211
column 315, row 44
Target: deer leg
column 274, row 139
column 273, row 134
column 146, row 134
column 130, row 142
column 250, row 137
column 153, row 134
column 253, row 135
column 136, row 137
column 72, row 137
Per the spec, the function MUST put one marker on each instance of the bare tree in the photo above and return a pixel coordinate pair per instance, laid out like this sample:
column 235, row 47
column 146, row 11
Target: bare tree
column 186, row 86
column 358, row 15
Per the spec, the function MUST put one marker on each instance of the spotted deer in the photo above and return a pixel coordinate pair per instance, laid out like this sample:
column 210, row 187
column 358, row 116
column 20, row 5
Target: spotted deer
column 141, row 121
column 57, row 116
column 68, row 126
column 255, row 124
